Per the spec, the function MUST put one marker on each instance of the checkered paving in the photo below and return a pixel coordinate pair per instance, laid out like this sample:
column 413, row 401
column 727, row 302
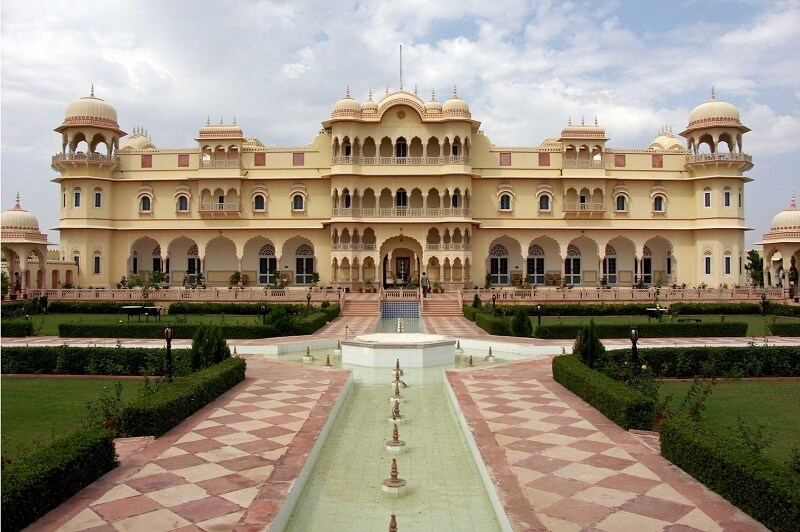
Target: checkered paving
column 576, row 469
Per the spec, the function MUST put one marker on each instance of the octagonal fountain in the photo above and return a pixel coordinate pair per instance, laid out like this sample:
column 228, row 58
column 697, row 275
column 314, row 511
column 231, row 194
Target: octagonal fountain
column 415, row 350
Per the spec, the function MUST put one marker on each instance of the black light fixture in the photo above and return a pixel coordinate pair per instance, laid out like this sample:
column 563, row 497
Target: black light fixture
column 308, row 298
column 494, row 300
column 634, row 350
column 539, row 314
column 168, row 335
column 263, row 314
column 764, row 303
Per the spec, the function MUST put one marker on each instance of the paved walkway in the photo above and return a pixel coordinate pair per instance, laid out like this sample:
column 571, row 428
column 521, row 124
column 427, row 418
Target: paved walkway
column 556, row 462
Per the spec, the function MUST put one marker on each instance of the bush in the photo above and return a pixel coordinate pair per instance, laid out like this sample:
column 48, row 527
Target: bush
column 588, row 346
column 91, row 307
column 648, row 330
column 767, row 491
column 68, row 360
column 708, row 362
column 47, row 477
column 155, row 414
column 521, row 324
column 208, row 347
column 331, row 310
column 492, row 324
column 243, row 309
column 779, row 309
column 156, row 330
column 476, row 302
column 714, row 308
column 310, row 323
column 624, row 406
column 785, row 329
column 583, row 309
column 17, row 328
column 24, row 307
column 469, row 312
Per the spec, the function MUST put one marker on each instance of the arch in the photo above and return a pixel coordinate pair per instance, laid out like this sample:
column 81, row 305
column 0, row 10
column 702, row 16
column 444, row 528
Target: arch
column 503, row 258
column 259, row 261
column 221, row 260
column 298, row 261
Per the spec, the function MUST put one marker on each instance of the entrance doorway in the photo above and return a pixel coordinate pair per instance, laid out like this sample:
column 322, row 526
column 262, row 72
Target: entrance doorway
column 402, row 269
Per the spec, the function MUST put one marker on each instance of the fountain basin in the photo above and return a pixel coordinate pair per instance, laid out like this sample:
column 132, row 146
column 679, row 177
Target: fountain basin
column 415, row 350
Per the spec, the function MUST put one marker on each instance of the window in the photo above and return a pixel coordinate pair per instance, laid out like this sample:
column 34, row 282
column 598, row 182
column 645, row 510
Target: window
column 707, row 264
column 505, row 159
column 259, row 203
column 544, row 202
column 96, row 265
column 657, row 161
column 621, row 203
column 260, row 159
column 505, row 202
column 726, row 197
column 658, row 204
column 455, row 201
column 134, row 263
column 535, row 264
column 183, row 204
column 297, row 203
column 347, row 149
column 401, row 199
column 304, row 264
column 498, row 265
column 728, row 263
column 619, row 160
column 401, row 148
column 144, row 204
column 147, row 161
column 76, row 195
column 572, row 265
column 740, row 200
column 456, row 150
column 707, row 197
column 98, row 198
column 183, row 160
column 76, row 258
column 298, row 159
column 544, row 159
column 64, row 200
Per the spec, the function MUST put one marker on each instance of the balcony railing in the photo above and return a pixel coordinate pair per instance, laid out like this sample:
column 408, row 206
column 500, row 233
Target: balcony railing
column 405, row 161
column 400, row 212
column 353, row 247
column 713, row 157
column 80, row 157
column 220, row 163
column 584, row 207
column 451, row 246
column 220, row 207
column 298, row 293
column 665, row 295
column 582, row 163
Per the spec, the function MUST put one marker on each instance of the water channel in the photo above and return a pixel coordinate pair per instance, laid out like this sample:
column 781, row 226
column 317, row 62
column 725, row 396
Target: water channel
column 445, row 491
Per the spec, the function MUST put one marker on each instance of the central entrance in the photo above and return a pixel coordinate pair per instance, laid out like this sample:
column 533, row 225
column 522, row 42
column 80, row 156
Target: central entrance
column 401, row 257
column 403, row 269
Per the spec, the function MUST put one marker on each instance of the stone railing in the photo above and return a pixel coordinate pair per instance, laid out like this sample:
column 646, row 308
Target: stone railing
column 451, row 246
column 189, row 294
column 584, row 207
column 220, row 207
column 404, row 161
column 402, row 212
column 399, row 294
column 622, row 294
column 236, row 163
column 711, row 157
column 582, row 163
column 85, row 158
column 352, row 247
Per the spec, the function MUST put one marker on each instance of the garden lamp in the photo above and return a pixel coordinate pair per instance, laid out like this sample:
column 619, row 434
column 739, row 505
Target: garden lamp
column 168, row 335
column 634, row 351
column 539, row 314
column 494, row 299
column 263, row 314
column 764, row 303
column 308, row 298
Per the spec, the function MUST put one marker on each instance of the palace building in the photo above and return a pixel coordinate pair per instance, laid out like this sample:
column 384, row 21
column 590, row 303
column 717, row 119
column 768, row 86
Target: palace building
column 394, row 186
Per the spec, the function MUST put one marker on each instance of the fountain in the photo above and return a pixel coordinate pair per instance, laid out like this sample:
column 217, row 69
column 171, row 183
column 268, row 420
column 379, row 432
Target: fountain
column 415, row 350
column 328, row 361
column 394, row 485
column 396, row 417
column 308, row 358
column 393, row 524
column 470, row 365
column 338, row 350
column 396, row 397
column 459, row 351
column 490, row 356
column 395, row 445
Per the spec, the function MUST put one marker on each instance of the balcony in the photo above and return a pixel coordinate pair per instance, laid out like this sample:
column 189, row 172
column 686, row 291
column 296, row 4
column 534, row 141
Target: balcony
column 450, row 246
column 220, row 207
column 740, row 160
column 400, row 212
column 584, row 207
column 62, row 160
column 220, row 163
column 352, row 247
column 582, row 163
column 402, row 161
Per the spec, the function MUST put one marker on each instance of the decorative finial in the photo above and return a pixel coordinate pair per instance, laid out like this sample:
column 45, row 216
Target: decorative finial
column 455, row 92
column 220, row 119
column 415, row 89
column 347, row 91
column 91, row 91
column 369, row 98
column 146, row 134
column 208, row 120
column 670, row 128
column 595, row 119
column 792, row 206
column 18, row 198
column 569, row 120
column 583, row 123
column 433, row 95
column 713, row 93
column 387, row 89
column 234, row 119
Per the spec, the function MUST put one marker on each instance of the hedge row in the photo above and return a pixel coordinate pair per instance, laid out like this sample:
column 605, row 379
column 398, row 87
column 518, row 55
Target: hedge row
column 240, row 309
column 714, row 308
column 68, row 360
column 581, row 309
column 493, row 324
column 23, row 307
column 706, row 362
column 156, row 330
column 91, row 307
column 647, row 330
column 779, row 309
column 785, row 329
column 47, row 477
column 16, row 328
column 767, row 491
column 155, row 414
column 469, row 312
column 623, row 405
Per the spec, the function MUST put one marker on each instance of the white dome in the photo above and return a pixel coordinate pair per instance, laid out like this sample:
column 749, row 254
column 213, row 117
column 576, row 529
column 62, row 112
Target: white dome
column 90, row 111
column 18, row 219
column 666, row 141
column 788, row 220
column 433, row 106
column 347, row 106
column 714, row 113
column 138, row 141
column 455, row 105
column 370, row 106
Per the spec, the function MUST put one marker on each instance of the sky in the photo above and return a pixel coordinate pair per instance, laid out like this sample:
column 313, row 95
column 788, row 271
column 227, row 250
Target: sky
column 524, row 68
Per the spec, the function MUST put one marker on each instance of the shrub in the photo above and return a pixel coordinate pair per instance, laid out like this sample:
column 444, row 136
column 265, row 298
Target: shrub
column 469, row 312
column 310, row 323
column 25, row 307
column 155, row 414
column 156, row 330
column 779, row 309
column 208, row 347
column 243, row 309
column 331, row 310
column 90, row 307
column 279, row 318
column 492, row 324
column 47, row 477
column 588, row 345
column 624, row 406
column 785, row 329
column 17, row 328
column 521, row 324
column 648, row 330
column 767, row 491
column 476, row 302
column 714, row 308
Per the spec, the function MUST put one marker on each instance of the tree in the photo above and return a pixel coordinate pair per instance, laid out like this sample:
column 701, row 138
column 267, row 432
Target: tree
column 208, row 347
column 588, row 345
column 755, row 267
column 476, row 301
column 521, row 323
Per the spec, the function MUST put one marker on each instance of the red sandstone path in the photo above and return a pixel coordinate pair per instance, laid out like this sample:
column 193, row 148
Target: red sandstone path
column 556, row 463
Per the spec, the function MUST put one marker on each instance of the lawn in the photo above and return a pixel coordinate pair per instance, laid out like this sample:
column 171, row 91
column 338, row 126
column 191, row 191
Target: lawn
column 776, row 404
column 755, row 323
column 47, row 324
column 37, row 410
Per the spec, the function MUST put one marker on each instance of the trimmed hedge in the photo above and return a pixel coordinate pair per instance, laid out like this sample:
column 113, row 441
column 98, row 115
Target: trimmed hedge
column 47, row 477
column 493, row 324
column 68, row 360
column 241, row 309
column 785, row 329
column 16, row 328
column 92, row 307
column 469, row 312
column 623, row 405
column 708, row 362
column 156, row 330
column 647, row 330
column 23, row 307
column 155, row 414
column 779, row 309
column 714, row 308
column 581, row 309
column 767, row 491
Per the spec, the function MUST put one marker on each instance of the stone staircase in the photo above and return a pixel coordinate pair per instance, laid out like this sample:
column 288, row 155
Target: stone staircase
column 362, row 307
column 441, row 305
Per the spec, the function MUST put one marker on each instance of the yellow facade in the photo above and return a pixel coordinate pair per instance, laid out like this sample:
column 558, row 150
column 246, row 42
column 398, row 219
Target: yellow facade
column 391, row 188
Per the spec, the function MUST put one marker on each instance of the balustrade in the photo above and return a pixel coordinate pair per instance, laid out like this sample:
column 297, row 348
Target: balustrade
column 220, row 163
column 584, row 207
column 400, row 212
column 220, row 207
column 404, row 161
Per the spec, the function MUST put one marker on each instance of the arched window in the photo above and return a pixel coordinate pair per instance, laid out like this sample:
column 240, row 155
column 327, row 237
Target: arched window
column 455, row 200
column 610, row 265
column 544, row 202
column 304, row 264
column 505, row 202
column 76, row 195
column 183, row 204
column 267, row 264
column 536, row 265
column 728, row 263
column 658, row 204
column 622, row 204
column 707, row 263
column 726, row 197
column 498, row 264
column 401, row 199
column 259, row 203
column 96, row 263
column 76, row 258
column 298, row 203
column 707, row 197
column 98, row 197
column 572, row 265
column 347, row 199
column 401, row 148
column 144, row 204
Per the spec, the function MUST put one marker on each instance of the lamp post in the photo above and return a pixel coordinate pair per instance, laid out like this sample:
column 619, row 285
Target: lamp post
column 263, row 314
column 168, row 335
column 494, row 300
column 764, row 303
column 539, row 314
column 634, row 350
column 308, row 298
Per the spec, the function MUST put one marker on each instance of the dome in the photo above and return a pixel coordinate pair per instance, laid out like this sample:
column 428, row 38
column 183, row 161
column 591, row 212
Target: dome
column 455, row 105
column 369, row 106
column 18, row 219
column 788, row 220
column 90, row 111
column 138, row 141
column 666, row 141
column 347, row 106
column 714, row 113
column 433, row 106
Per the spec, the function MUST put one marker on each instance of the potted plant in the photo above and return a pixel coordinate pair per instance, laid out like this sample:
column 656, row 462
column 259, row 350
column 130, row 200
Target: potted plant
column 314, row 278
column 368, row 285
column 437, row 287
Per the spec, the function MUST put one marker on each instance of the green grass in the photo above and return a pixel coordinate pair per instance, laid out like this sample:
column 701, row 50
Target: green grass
column 47, row 324
column 756, row 325
column 776, row 404
column 37, row 410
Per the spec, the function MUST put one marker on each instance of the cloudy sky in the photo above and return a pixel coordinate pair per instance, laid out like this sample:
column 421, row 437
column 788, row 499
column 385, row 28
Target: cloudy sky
column 524, row 67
